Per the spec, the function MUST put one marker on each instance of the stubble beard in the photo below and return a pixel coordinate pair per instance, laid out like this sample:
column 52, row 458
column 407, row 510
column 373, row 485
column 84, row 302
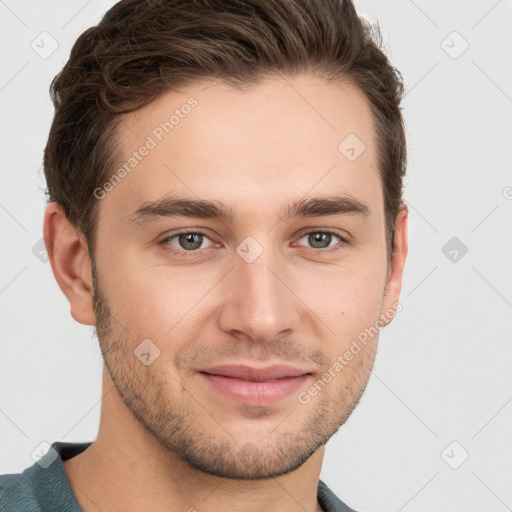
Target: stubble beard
column 181, row 423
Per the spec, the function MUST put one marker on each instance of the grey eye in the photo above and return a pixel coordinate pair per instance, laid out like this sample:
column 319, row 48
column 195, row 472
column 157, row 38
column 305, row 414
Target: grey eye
column 321, row 239
column 189, row 241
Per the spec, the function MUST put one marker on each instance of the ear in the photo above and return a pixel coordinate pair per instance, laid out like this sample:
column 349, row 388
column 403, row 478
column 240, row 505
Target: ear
column 396, row 269
column 71, row 265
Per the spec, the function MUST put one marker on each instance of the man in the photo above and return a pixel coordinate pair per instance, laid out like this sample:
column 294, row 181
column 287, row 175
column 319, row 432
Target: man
column 225, row 186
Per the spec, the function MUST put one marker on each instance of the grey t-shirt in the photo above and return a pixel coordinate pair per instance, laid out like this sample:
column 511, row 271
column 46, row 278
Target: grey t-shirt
column 44, row 486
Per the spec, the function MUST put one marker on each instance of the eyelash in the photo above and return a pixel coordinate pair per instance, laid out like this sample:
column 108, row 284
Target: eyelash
column 181, row 252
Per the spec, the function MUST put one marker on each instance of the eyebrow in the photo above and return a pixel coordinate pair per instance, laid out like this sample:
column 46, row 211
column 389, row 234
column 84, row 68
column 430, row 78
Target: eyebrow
column 173, row 206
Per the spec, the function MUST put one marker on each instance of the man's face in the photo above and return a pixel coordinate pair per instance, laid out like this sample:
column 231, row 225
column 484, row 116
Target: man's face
column 255, row 290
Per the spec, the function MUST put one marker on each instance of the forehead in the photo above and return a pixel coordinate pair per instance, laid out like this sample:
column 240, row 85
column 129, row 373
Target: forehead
column 281, row 139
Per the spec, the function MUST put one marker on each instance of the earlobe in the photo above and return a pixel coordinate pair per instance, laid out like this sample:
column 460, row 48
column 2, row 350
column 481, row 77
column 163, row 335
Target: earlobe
column 396, row 269
column 70, row 262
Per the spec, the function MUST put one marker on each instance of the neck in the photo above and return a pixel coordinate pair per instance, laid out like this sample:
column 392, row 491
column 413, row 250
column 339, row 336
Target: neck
column 127, row 469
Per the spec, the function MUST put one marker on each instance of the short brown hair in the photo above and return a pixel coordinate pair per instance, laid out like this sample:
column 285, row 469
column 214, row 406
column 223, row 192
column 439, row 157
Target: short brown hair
column 142, row 48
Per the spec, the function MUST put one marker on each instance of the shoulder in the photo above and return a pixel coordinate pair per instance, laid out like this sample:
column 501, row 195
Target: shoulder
column 329, row 501
column 44, row 486
column 17, row 493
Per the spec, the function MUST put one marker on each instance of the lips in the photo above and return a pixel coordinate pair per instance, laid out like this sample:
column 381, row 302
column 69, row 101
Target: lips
column 254, row 386
column 251, row 374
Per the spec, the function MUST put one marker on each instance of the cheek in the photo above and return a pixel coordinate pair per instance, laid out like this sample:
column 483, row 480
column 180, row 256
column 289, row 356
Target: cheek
column 154, row 301
column 346, row 296
column 160, row 300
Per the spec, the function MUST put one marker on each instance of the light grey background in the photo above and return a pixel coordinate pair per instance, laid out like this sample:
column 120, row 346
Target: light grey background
column 443, row 369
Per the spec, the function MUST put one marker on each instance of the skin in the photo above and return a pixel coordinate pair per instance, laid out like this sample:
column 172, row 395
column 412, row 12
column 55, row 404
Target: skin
column 296, row 303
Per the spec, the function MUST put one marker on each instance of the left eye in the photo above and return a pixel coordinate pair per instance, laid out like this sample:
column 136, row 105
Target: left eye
column 318, row 239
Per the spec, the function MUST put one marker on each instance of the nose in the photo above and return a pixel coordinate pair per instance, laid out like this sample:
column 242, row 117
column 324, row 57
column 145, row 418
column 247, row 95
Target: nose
column 258, row 299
